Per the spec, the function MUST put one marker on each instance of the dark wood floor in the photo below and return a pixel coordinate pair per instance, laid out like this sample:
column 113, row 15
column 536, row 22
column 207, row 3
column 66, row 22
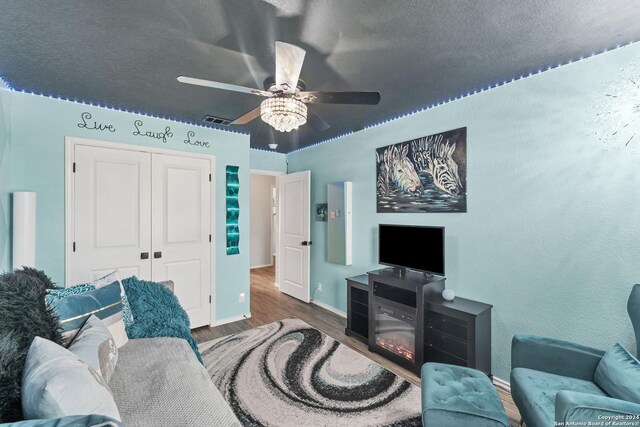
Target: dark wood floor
column 268, row 305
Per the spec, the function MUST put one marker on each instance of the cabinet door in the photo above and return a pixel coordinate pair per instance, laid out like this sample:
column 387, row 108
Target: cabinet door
column 111, row 214
column 181, row 224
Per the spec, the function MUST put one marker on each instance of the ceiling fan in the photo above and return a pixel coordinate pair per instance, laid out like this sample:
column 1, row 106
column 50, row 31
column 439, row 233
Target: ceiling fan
column 286, row 95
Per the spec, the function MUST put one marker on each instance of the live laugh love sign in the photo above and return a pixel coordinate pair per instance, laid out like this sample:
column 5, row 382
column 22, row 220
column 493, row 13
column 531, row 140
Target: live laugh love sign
column 140, row 129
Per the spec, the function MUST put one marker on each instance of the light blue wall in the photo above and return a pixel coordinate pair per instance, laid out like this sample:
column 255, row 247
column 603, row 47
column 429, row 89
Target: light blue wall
column 268, row 161
column 551, row 237
column 39, row 126
column 5, row 177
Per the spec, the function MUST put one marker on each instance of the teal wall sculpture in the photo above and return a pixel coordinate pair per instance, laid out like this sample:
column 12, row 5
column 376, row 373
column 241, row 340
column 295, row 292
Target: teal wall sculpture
column 233, row 210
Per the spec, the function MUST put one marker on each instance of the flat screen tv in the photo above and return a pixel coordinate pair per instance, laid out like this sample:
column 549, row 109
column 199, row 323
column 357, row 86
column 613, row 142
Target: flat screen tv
column 412, row 247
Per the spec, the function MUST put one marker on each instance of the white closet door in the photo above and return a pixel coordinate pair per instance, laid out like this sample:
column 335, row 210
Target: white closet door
column 181, row 224
column 111, row 213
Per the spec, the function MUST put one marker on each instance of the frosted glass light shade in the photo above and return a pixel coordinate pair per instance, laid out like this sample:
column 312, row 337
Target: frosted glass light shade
column 24, row 229
column 284, row 114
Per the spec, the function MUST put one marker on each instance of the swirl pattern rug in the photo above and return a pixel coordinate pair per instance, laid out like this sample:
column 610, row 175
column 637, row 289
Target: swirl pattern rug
column 287, row 373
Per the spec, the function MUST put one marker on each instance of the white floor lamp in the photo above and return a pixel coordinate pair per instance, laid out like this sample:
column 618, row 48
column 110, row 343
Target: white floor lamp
column 24, row 229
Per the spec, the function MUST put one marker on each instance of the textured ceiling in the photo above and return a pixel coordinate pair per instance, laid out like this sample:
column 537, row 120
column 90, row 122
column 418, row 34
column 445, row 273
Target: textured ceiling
column 128, row 53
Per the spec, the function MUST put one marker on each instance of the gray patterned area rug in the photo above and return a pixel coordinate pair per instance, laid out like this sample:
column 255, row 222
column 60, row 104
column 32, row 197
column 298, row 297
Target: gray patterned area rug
column 288, row 373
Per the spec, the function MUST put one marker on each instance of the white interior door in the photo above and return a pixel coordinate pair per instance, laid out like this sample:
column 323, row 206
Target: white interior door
column 295, row 241
column 182, row 231
column 111, row 213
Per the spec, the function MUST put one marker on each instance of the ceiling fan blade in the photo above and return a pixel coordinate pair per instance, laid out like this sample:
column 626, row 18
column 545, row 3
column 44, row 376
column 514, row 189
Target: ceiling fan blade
column 246, row 118
column 318, row 97
column 289, row 59
column 223, row 86
column 316, row 122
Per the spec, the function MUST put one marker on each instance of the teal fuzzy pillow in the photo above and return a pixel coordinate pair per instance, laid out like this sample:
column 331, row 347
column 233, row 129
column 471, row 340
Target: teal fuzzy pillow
column 158, row 312
column 618, row 373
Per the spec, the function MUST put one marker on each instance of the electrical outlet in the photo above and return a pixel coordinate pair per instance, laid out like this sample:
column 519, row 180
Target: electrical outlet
column 319, row 287
column 241, row 297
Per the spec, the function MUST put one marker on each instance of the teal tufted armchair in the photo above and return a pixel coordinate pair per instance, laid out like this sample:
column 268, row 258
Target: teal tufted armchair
column 552, row 381
column 633, row 307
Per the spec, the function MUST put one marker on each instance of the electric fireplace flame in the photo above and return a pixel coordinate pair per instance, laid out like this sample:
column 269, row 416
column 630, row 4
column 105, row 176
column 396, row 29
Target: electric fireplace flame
column 396, row 347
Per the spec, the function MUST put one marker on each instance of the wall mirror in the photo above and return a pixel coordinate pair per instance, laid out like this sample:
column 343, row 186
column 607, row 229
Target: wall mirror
column 339, row 237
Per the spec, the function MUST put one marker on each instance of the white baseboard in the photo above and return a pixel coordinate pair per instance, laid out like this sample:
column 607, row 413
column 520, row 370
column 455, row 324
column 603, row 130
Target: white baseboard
column 276, row 284
column 230, row 320
column 328, row 307
column 261, row 266
column 500, row 383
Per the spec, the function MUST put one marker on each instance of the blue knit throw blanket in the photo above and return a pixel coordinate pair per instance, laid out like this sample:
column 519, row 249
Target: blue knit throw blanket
column 156, row 312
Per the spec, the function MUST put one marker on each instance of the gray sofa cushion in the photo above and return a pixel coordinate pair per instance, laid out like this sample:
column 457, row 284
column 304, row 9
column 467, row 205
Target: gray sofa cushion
column 159, row 381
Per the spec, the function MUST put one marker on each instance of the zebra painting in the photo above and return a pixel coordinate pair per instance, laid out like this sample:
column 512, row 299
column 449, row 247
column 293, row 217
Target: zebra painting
column 426, row 174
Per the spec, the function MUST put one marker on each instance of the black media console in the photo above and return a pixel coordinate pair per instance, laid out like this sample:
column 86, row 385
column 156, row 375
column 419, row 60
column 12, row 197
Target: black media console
column 405, row 319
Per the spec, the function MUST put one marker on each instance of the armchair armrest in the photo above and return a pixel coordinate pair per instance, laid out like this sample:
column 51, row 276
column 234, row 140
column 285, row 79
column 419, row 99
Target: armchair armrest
column 583, row 407
column 554, row 356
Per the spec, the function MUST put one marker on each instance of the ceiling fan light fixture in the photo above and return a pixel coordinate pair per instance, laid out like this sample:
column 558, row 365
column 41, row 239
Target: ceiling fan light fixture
column 282, row 113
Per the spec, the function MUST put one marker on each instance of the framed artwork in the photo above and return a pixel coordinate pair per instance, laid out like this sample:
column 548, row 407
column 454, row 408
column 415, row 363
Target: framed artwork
column 427, row 174
column 322, row 212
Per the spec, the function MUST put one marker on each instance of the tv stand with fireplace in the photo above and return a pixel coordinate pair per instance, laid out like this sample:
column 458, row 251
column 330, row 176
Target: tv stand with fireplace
column 405, row 319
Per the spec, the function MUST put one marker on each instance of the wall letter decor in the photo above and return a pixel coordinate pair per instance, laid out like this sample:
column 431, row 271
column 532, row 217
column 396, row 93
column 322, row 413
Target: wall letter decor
column 195, row 143
column 156, row 135
column 85, row 124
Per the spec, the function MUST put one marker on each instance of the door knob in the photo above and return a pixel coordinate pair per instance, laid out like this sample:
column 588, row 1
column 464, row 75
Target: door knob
column 157, row 254
column 144, row 255
column 307, row 243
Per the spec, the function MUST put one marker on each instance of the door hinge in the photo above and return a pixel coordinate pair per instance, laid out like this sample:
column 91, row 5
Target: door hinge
column 209, row 299
column 74, row 167
column 209, row 238
column 74, row 246
column 209, row 177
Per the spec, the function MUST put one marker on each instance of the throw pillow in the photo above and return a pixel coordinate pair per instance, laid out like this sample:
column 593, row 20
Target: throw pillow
column 105, row 303
column 158, row 312
column 28, row 273
column 23, row 315
column 96, row 284
column 56, row 384
column 618, row 373
column 74, row 290
column 95, row 346
column 107, row 280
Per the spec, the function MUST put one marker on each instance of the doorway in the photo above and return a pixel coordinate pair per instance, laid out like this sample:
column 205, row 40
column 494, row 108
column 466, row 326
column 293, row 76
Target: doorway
column 282, row 214
column 264, row 221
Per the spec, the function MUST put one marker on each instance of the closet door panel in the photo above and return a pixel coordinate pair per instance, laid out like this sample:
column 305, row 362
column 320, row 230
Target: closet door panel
column 181, row 224
column 112, row 213
column 189, row 272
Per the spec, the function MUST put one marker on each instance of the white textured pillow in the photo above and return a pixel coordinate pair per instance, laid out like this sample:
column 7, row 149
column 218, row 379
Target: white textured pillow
column 94, row 345
column 114, row 276
column 56, row 384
